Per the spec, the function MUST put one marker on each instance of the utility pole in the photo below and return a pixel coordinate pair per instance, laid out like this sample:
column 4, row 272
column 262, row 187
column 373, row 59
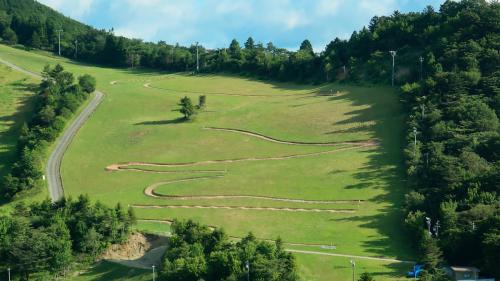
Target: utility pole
column 415, row 142
column 353, row 265
column 428, row 221
column 8, row 270
column 76, row 48
column 59, row 36
column 247, row 265
column 436, row 228
column 197, row 59
column 153, row 273
column 393, row 54
column 421, row 68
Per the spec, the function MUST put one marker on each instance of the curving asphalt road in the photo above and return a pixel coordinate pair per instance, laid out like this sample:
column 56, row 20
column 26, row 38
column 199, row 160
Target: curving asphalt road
column 53, row 168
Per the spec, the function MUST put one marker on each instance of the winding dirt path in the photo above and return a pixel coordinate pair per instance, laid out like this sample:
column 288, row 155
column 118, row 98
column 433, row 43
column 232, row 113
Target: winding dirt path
column 284, row 209
column 150, row 191
column 148, row 85
column 271, row 139
column 122, row 166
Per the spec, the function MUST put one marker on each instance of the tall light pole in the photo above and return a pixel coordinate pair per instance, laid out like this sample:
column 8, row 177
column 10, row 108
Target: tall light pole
column 422, row 106
column 247, row 266
column 59, row 36
column 428, row 221
column 153, row 273
column 436, row 228
column 353, row 265
column 76, row 48
column 393, row 54
column 197, row 59
column 421, row 68
column 8, row 270
column 415, row 141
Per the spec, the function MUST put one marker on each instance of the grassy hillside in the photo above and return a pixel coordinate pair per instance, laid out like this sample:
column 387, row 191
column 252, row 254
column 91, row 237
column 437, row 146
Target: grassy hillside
column 362, row 185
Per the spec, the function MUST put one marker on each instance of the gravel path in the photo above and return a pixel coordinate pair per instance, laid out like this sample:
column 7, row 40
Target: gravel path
column 53, row 168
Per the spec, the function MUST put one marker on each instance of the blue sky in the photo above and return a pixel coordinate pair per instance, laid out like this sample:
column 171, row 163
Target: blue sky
column 214, row 23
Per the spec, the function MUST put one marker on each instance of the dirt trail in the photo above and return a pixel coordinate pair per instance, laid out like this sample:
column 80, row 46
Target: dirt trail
column 118, row 166
column 260, row 136
column 282, row 209
column 150, row 191
column 148, row 85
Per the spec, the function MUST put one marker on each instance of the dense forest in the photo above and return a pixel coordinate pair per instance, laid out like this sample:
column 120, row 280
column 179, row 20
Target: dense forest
column 447, row 65
column 48, row 240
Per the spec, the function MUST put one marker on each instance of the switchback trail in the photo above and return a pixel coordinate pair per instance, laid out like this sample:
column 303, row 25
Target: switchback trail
column 123, row 166
column 148, row 85
column 150, row 191
column 271, row 139
column 283, row 209
column 53, row 168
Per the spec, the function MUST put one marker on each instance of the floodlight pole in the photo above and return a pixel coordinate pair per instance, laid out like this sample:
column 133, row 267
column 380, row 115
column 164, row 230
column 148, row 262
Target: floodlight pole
column 436, row 228
column 422, row 106
column 59, row 36
column 197, row 59
column 353, row 265
column 153, row 273
column 393, row 54
column 421, row 68
column 428, row 221
column 415, row 141
column 8, row 270
column 76, row 48
column 247, row 266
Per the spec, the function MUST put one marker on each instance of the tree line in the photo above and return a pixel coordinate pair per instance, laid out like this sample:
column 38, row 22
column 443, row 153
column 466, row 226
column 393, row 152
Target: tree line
column 57, row 99
column 447, row 65
column 197, row 252
column 48, row 240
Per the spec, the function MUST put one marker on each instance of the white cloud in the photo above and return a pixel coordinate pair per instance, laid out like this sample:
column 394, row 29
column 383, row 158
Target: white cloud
column 233, row 6
column 328, row 7
column 75, row 8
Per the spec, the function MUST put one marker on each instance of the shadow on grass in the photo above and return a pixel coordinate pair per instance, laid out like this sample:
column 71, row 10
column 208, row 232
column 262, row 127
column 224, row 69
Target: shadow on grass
column 384, row 169
column 105, row 271
column 164, row 122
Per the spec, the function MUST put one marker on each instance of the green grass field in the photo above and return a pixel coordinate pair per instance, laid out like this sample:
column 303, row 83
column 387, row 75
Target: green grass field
column 17, row 92
column 16, row 106
column 136, row 123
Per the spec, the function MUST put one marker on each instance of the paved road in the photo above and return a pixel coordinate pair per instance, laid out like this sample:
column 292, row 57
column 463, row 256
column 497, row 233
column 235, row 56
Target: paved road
column 53, row 168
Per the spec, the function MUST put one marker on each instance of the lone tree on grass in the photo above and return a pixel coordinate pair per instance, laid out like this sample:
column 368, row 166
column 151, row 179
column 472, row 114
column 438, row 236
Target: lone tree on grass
column 187, row 107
